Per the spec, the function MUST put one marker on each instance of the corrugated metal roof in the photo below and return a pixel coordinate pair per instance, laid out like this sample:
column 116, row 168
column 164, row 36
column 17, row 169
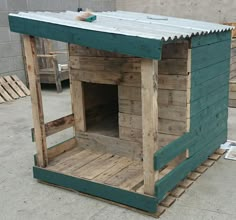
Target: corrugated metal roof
column 131, row 24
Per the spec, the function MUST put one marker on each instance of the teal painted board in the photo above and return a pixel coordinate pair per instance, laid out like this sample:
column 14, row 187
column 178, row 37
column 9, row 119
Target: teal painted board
column 210, row 54
column 136, row 200
column 203, row 40
column 207, row 100
column 209, row 86
column 131, row 45
column 200, row 76
column 169, row 181
column 192, row 140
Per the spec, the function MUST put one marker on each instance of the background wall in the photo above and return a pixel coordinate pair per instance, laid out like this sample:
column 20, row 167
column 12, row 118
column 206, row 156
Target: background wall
column 11, row 61
column 208, row 10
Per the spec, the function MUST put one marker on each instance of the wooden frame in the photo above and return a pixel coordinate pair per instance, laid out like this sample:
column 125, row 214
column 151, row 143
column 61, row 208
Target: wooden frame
column 171, row 116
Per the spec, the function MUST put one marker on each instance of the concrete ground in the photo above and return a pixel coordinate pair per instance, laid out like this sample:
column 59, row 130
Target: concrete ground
column 212, row 196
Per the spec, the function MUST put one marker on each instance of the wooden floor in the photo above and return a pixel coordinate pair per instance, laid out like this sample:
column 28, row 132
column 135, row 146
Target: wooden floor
column 100, row 167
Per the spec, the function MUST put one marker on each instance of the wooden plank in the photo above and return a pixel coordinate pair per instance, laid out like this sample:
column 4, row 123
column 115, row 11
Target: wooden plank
column 14, row 86
column 130, row 134
column 149, row 75
column 130, row 121
column 232, row 95
column 106, row 64
column 122, row 163
column 194, row 175
column 4, row 94
column 172, row 97
column 220, row 151
column 121, row 43
column 130, row 106
column 171, row 126
column 215, row 157
column 186, row 183
column 208, row 163
column 37, row 105
column 232, row 103
column 59, row 124
column 177, row 192
column 172, row 112
column 168, row 201
column 100, row 77
column 108, row 144
column 78, row 105
column 202, row 40
column 177, row 82
column 7, row 88
column 168, row 182
column 175, row 50
column 143, row 202
column 96, row 167
column 128, row 177
column 21, row 84
column 201, row 169
column 173, row 66
column 61, row 148
column 130, row 93
column 165, row 139
column 1, row 99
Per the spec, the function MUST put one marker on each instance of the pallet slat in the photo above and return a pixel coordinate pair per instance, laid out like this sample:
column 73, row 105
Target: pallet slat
column 11, row 87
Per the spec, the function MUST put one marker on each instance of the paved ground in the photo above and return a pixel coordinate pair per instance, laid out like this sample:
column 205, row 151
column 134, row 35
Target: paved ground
column 213, row 196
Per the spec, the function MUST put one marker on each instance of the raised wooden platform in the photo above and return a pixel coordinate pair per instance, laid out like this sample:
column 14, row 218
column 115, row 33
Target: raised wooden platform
column 11, row 88
column 120, row 172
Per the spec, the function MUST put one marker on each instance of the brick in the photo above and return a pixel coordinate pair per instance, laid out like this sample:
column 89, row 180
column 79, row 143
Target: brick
column 4, row 34
column 4, row 19
column 18, row 63
column 17, row 5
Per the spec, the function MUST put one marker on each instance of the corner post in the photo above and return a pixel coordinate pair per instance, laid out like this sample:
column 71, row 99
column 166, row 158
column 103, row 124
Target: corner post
column 149, row 78
column 36, row 99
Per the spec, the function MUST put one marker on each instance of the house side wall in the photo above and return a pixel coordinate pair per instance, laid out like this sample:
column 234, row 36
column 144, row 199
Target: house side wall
column 208, row 109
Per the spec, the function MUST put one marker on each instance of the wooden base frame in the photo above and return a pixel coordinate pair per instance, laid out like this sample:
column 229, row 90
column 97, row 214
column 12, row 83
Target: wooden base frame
column 144, row 204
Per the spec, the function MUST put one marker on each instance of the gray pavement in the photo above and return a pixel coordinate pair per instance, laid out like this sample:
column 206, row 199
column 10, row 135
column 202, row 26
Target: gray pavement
column 212, row 196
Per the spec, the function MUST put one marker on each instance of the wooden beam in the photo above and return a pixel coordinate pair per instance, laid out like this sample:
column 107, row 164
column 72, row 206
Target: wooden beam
column 78, row 105
column 149, row 72
column 36, row 99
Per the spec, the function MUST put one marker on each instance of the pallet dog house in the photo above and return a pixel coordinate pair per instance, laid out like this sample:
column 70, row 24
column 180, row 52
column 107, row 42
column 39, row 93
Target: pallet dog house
column 149, row 102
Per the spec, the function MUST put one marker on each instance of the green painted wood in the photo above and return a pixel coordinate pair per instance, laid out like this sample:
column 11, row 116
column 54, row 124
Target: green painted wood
column 136, row 200
column 209, row 86
column 192, row 140
column 131, row 45
column 207, row 100
column 210, row 54
column 170, row 181
column 200, row 76
column 203, row 40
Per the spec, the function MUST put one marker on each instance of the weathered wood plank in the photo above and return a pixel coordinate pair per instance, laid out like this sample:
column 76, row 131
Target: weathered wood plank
column 21, row 84
column 112, row 145
column 130, row 106
column 100, row 77
column 173, row 66
column 149, row 75
column 177, row 82
column 36, row 98
column 14, row 86
column 9, row 90
column 61, row 148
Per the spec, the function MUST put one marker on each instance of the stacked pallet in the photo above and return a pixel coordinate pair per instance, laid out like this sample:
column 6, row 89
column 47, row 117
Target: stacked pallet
column 11, row 87
column 232, row 93
column 232, row 77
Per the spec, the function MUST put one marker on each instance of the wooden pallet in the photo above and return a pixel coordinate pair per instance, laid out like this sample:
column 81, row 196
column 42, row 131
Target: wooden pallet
column 169, row 200
column 11, row 88
column 232, row 93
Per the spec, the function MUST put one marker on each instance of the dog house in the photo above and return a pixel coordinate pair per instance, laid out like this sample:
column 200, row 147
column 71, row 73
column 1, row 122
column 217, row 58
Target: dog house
column 149, row 102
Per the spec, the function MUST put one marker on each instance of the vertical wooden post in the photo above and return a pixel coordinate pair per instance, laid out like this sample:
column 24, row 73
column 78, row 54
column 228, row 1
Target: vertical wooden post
column 149, row 77
column 36, row 99
column 77, row 101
